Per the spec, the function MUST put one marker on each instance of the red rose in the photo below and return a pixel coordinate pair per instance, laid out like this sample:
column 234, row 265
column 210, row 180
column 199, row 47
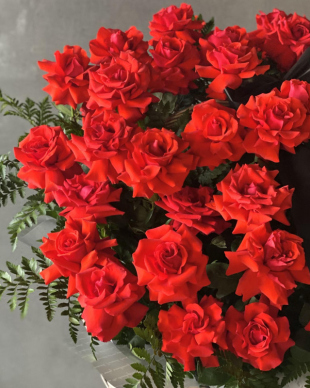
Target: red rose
column 83, row 197
column 113, row 292
column 123, row 84
column 110, row 42
column 283, row 37
column 75, row 249
column 251, row 196
column 67, row 77
column 103, row 146
column 228, row 59
column 214, row 134
column 272, row 261
column 173, row 21
column 258, row 335
column 190, row 206
column 156, row 163
column 171, row 264
column 273, row 122
column 295, row 88
column 174, row 61
column 47, row 159
column 189, row 333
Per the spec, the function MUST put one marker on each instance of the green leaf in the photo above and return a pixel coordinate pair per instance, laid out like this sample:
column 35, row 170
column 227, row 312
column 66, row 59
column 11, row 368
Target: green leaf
column 142, row 354
column 139, row 367
column 224, row 284
column 211, row 376
column 299, row 354
column 219, row 242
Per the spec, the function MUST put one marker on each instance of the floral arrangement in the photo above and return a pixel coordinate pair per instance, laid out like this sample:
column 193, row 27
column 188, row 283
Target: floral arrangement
column 166, row 166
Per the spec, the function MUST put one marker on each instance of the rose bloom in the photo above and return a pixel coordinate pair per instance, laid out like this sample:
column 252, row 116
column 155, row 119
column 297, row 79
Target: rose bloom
column 75, row 249
column 156, row 163
column 273, row 261
column 190, row 206
column 174, row 61
column 171, row 264
column 110, row 297
column 273, row 122
column 67, row 76
column 110, row 42
column 214, row 134
column 83, row 197
column 47, row 159
column 190, row 332
column 103, row 146
column 251, row 196
column 121, row 83
column 258, row 335
column 283, row 37
column 176, row 21
column 228, row 59
column 296, row 88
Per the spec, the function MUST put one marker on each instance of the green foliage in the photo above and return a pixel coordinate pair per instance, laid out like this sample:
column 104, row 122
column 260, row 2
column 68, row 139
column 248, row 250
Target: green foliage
column 10, row 184
column 224, row 284
column 292, row 370
column 68, row 119
column 28, row 216
column 36, row 113
column 92, row 344
column 208, row 27
column 205, row 177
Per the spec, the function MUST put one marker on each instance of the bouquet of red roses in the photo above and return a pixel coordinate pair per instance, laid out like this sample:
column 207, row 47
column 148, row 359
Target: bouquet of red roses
column 170, row 169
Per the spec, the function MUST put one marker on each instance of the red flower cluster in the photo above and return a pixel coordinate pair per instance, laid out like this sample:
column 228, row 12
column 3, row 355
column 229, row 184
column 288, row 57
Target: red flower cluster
column 283, row 37
column 190, row 332
column 273, row 261
column 123, row 150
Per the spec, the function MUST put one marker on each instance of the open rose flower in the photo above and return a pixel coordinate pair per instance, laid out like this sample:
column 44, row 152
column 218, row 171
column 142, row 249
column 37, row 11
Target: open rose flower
column 251, row 196
column 74, row 249
column 171, row 264
column 67, row 76
column 122, row 83
column 283, row 37
column 296, row 88
column 258, row 335
column 156, row 163
column 110, row 42
column 47, row 159
column 190, row 332
column 214, row 134
column 176, row 21
column 228, row 59
column 103, row 146
column 174, row 61
column 83, row 197
column 110, row 297
column 272, row 122
column 273, row 262
column 190, row 206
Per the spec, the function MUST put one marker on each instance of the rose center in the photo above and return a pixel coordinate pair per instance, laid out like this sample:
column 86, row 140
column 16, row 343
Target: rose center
column 168, row 258
column 157, row 148
column 299, row 30
column 193, row 323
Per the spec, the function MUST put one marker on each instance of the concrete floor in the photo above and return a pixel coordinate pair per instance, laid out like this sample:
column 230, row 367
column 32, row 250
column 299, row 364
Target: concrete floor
column 34, row 352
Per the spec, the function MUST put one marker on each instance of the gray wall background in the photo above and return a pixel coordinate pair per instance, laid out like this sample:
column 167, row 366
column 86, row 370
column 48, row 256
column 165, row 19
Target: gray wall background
column 34, row 352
